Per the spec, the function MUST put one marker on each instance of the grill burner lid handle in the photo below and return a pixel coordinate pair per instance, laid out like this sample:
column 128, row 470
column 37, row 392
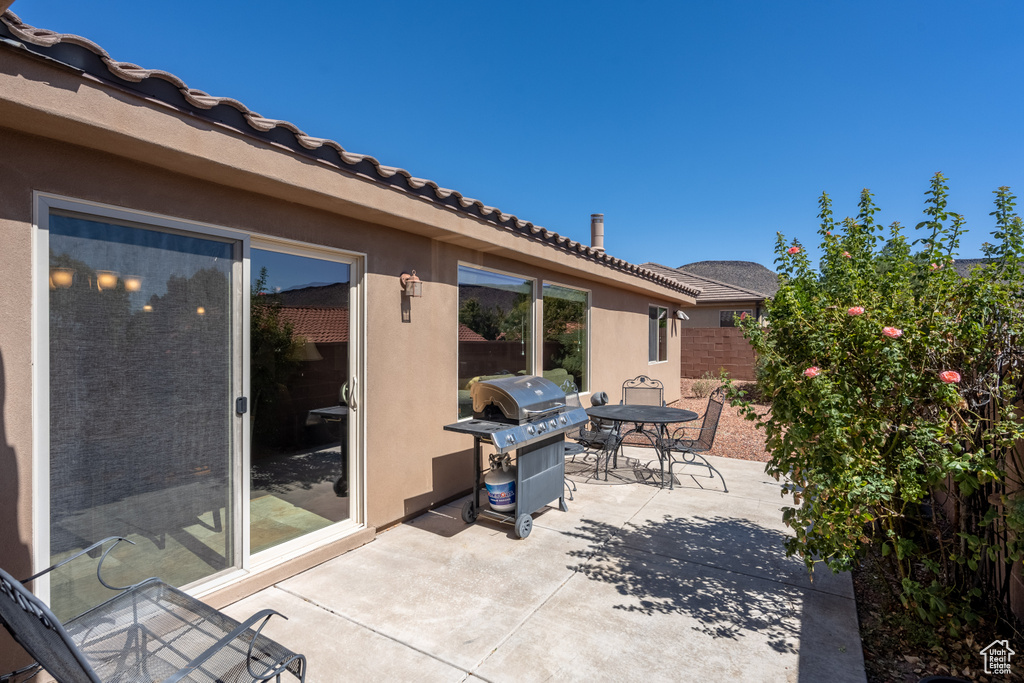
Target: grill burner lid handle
column 544, row 411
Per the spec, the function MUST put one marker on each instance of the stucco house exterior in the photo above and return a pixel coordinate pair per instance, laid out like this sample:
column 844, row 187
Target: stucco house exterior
column 208, row 344
column 709, row 340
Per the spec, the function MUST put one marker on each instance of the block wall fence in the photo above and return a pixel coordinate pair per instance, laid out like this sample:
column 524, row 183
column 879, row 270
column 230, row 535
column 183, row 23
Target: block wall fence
column 710, row 349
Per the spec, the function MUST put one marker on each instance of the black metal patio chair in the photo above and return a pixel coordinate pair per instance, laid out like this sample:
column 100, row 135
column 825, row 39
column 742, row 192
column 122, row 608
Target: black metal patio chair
column 640, row 391
column 594, row 437
column 572, row 446
column 691, row 450
column 643, row 391
column 149, row 631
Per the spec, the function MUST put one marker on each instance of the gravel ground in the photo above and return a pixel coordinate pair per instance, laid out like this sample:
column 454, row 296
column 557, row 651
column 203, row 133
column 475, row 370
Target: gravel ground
column 736, row 437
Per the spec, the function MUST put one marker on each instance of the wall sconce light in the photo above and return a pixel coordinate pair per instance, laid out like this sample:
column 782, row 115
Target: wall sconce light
column 106, row 279
column 411, row 284
column 62, row 278
column 201, row 311
column 132, row 283
column 147, row 308
column 682, row 316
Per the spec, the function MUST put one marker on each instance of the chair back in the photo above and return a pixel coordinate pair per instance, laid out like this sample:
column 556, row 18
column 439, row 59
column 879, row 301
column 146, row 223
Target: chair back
column 643, row 391
column 572, row 400
column 710, row 425
column 33, row 626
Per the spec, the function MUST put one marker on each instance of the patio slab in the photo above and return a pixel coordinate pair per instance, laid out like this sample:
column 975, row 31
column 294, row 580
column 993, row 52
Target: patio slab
column 633, row 583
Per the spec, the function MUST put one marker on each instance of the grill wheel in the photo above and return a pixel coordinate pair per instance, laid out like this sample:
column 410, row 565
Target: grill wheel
column 524, row 525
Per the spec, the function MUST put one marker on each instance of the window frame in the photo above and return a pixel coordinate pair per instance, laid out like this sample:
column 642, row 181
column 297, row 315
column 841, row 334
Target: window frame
column 587, row 346
column 658, row 345
column 735, row 312
column 531, row 316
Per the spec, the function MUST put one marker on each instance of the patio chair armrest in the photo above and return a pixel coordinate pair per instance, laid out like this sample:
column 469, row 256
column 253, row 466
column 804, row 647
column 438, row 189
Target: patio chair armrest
column 262, row 615
column 675, row 442
column 98, row 544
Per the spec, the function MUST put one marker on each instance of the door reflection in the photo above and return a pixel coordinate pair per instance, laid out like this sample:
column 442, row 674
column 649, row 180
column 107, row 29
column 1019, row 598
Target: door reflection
column 299, row 371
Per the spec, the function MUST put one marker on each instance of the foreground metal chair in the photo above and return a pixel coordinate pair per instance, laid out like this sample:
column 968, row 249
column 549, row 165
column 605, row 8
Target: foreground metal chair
column 691, row 450
column 149, row 631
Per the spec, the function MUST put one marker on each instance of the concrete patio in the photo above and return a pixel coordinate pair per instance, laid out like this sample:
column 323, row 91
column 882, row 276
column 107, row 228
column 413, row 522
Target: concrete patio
column 634, row 583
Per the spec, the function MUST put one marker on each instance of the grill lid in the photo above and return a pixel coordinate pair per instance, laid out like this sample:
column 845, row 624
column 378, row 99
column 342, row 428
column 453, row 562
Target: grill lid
column 516, row 399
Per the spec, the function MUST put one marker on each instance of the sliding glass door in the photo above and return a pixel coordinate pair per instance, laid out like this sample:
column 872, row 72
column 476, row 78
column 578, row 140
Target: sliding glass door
column 203, row 414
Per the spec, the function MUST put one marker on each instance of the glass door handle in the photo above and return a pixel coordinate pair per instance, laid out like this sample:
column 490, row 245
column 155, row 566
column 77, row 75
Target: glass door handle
column 352, row 393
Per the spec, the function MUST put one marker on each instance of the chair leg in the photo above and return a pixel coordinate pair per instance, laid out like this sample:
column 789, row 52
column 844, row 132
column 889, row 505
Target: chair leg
column 692, row 460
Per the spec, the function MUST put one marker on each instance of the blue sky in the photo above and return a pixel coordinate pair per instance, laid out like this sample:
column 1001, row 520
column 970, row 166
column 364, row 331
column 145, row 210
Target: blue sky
column 698, row 128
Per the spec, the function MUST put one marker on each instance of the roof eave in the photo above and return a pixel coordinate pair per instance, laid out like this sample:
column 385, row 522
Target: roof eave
column 161, row 89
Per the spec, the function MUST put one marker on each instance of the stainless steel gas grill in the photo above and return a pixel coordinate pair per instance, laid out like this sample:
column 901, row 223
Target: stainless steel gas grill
column 527, row 417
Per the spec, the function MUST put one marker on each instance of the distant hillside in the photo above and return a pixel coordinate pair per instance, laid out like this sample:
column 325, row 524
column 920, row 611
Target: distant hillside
column 322, row 296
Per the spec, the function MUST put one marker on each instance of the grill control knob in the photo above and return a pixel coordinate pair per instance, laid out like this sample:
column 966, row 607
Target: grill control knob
column 510, row 439
column 554, row 423
column 561, row 418
column 530, row 430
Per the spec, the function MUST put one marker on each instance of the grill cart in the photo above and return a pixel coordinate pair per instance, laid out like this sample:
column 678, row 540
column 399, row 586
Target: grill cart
column 525, row 417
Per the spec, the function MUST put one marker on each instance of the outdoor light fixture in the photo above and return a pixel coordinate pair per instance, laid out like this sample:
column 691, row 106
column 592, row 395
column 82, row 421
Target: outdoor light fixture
column 681, row 315
column 132, row 283
column 62, row 277
column 147, row 308
column 106, row 279
column 411, row 285
column 201, row 311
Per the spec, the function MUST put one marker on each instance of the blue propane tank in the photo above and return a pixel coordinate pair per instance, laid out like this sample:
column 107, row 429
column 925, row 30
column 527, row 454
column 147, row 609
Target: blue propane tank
column 501, row 489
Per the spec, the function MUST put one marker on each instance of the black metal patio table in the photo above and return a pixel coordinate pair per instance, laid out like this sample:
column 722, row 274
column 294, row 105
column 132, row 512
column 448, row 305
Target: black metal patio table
column 641, row 416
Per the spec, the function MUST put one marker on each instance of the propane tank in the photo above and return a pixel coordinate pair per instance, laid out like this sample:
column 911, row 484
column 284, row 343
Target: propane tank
column 501, row 488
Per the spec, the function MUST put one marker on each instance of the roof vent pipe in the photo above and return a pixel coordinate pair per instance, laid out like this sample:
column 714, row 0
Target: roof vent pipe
column 597, row 231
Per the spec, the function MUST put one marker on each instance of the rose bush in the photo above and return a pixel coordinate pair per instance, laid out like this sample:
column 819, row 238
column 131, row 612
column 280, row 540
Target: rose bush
column 892, row 384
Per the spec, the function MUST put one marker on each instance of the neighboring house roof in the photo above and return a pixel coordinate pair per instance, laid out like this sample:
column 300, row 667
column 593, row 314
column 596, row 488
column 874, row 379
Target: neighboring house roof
column 88, row 57
column 466, row 334
column 318, row 325
column 711, row 291
column 746, row 275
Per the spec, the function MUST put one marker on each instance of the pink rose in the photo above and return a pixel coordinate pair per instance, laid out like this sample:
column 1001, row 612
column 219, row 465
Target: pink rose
column 856, row 310
column 847, row 254
column 793, row 250
column 812, row 371
column 949, row 376
column 743, row 315
column 935, row 266
column 892, row 332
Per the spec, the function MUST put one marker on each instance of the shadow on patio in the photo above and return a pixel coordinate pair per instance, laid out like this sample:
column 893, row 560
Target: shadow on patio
column 648, row 562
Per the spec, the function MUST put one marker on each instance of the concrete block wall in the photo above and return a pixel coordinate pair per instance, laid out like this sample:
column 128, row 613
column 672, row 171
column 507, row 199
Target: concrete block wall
column 710, row 349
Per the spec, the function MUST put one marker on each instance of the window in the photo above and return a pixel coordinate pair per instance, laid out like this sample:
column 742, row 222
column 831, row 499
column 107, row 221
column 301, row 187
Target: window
column 657, row 335
column 495, row 329
column 728, row 318
column 565, row 335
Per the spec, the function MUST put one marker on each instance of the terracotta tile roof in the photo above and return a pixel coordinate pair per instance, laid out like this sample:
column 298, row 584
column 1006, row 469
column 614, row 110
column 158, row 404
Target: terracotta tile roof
column 85, row 55
column 466, row 334
column 747, row 275
column 318, row 325
column 711, row 291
